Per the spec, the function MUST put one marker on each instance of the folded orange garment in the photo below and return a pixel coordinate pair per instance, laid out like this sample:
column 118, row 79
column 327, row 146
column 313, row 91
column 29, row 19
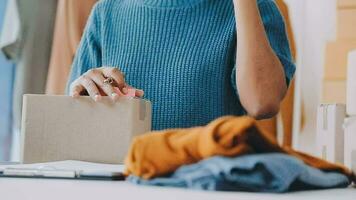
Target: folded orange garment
column 158, row 153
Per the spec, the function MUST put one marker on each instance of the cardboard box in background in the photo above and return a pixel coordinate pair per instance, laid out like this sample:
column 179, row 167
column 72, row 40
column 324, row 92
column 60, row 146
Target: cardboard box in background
column 346, row 23
column 56, row 128
column 334, row 91
column 350, row 143
column 343, row 4
column 336, row 53
column 330, row 133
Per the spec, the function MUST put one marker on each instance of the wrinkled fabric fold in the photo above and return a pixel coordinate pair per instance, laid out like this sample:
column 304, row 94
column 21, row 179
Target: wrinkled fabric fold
column 162, row 152
column 274, row 172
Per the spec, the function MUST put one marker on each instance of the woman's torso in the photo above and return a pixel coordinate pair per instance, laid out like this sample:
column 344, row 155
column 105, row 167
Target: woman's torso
column 182, row 57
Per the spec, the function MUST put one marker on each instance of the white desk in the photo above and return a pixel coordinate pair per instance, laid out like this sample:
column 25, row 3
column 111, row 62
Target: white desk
column 41, row 189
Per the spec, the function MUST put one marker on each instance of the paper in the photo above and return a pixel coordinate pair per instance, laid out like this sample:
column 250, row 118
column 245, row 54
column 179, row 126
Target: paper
column 69, row 165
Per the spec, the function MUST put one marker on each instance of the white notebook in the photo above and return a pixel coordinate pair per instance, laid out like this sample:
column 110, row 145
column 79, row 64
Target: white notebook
column 69, row 169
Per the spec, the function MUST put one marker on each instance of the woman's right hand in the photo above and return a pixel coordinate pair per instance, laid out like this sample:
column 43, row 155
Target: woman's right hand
column 93, row 83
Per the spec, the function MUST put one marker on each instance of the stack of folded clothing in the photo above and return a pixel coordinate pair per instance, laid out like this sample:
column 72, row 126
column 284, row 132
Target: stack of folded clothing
column 229, row 154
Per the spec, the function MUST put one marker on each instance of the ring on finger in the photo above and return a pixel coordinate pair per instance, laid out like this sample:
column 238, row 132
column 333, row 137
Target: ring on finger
column 108, row 81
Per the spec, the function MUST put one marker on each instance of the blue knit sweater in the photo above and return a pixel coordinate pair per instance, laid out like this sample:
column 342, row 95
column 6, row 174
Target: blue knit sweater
column 182, row 53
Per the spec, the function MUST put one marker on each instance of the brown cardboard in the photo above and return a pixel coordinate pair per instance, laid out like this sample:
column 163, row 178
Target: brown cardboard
column 336, row 53
column 344, row 4
column 346, row 23
column 334, row 91
column 58, row 128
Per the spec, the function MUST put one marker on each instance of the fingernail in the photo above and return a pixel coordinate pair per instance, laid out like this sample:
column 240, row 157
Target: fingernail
column 124, row 90
column 75, row 95
column 114, row 96
column 97, row 97
column 141, row 92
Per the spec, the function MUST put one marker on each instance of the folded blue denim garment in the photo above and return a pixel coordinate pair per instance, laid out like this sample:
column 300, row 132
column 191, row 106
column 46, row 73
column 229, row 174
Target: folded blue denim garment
column 273, row 172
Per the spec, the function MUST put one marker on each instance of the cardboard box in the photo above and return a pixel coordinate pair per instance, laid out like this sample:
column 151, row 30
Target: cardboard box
column 336, row 53
column 350, row 143
column 346, row 4
column 334, row 91
column 56, row 128
column 330, row 133
column 346, row 23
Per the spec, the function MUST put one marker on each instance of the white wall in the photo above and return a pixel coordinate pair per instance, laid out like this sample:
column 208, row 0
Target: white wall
column 314, row 23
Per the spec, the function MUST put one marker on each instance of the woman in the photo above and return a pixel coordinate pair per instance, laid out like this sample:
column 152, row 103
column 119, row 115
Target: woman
column 196, row 60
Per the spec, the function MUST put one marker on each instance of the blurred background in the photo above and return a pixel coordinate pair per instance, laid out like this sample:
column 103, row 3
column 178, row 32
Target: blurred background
column 38, row 40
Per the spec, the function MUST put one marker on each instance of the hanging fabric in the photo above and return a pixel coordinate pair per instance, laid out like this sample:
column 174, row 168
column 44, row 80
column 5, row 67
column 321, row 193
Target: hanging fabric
column 7, row 69
column 30, row 46
column 70, row 23
column 11, row 29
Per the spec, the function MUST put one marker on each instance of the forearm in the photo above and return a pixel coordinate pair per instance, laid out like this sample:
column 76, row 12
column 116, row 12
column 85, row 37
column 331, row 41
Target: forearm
column 260, row 76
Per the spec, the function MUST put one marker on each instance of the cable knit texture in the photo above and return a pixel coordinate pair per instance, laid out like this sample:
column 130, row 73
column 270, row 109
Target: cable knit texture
column 182, row 53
